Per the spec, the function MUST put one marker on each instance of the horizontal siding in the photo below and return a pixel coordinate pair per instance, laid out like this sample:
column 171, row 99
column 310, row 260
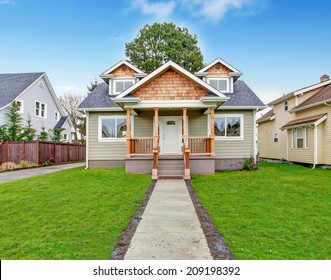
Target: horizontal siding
column 197, row 124
column 302, row 155
column 237, row 148
column 103, row 150
column 3, row 116
column 143, row 124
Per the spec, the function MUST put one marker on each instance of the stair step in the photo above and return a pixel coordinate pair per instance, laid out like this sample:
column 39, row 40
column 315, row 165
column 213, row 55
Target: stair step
column 170, row 172
column 165, row 177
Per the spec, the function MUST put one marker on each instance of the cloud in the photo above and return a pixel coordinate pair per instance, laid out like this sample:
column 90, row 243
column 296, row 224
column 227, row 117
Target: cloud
column 159, row 9
column 215, row 10
column 6, row 1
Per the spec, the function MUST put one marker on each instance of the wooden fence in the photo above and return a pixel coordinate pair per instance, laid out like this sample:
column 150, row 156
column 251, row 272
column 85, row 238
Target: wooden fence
column 38, row 152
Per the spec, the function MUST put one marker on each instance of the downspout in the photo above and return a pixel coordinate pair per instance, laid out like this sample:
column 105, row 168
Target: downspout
column 315, row 146
column 87, row 137
column 254, row 135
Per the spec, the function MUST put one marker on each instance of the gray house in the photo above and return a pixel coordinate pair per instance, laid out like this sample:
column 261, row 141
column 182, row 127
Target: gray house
column 171, row 123
column 37, row 101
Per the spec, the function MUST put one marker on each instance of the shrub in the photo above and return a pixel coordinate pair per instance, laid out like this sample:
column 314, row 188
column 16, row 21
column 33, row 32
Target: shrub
column 26, row 164
column 8, row 166
column 249, row 164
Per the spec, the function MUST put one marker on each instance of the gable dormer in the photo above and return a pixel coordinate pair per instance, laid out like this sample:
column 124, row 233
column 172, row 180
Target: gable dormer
column 121, row 76
column 220, row 75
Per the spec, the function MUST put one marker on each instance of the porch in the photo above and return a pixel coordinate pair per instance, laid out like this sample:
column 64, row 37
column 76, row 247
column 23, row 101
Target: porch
column 171, row 152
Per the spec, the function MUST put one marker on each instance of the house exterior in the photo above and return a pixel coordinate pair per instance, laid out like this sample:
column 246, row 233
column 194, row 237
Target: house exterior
column 37, row 100
column 171, row 122
column 298, row 128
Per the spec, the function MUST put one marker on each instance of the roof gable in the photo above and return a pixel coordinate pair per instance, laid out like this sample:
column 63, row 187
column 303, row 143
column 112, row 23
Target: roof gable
column 115, row 68
column 222, row 62
column 180, row 71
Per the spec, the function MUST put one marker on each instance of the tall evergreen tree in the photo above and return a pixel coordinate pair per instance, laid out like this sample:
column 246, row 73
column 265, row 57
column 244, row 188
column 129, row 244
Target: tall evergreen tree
column 15, row 132
column 29, row 133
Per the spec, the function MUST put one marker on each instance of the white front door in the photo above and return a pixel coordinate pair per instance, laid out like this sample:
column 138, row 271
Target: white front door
column 170, row 135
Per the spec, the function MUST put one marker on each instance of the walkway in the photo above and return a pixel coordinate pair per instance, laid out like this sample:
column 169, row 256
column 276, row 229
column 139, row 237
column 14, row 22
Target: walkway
column 30, row 172
column 169, row 228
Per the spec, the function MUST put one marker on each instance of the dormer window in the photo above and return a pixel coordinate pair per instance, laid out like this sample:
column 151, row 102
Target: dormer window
column 121, row 85
column 222, row 84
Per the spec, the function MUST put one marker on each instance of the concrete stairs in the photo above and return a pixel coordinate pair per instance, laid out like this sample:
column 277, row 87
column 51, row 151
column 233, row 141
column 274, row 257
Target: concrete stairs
column 170, row 167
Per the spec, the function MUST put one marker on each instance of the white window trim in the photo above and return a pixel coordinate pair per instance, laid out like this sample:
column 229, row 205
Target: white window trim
column 40, row 102
column 100, row 139
column 114, row 81
column 229, row 138
column 286, row 105
column 221, row 78
column 274, row 137
column 304, row 137
column 22, row 106
column 58, row 116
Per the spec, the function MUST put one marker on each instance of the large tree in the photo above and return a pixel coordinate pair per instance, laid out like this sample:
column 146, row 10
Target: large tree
column 160, row 42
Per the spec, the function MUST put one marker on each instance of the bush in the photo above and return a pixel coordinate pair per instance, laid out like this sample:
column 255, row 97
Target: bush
column 249, row 164
column 26, row 164
column 8, row 166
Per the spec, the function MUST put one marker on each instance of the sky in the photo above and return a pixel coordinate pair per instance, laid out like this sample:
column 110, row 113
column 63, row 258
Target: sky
column 279, row 45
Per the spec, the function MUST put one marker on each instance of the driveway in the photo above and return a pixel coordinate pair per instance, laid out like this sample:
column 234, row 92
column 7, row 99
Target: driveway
column 30, row 172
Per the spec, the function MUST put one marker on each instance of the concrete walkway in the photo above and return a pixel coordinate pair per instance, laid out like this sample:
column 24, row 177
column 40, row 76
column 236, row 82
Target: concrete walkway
column 169, row 228
column 30, row 172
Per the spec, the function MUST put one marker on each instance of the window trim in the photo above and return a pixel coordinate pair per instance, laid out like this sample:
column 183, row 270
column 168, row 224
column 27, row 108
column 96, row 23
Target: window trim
column 305, row 134
column 21, row 110
column 110, row 139
column 274, row 137
column 56, row 119
column 286, row 105
column 35, row 107
column 242, row 123
column 114, row 82
column 220, row 78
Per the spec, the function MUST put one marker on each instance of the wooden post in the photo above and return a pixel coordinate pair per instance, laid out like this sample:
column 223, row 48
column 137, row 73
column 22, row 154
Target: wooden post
column 185, row 128
column 78, row 152
column 54, row 152
column 23, row 150
column 7, row 151
column 68, row 152
column 156, row 128
column 38, row 152
column 212, row 131
column 128, row 132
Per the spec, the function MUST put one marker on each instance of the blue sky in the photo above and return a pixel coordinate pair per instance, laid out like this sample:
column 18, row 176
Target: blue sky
column 279, row 45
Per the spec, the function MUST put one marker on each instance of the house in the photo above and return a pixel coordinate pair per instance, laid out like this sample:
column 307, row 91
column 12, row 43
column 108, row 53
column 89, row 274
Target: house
column 298, row 127
column 171, row 122
column 37, row 101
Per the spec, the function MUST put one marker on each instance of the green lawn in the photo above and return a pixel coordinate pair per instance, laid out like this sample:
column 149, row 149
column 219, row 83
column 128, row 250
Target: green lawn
column 277, row 212
column 72, row 214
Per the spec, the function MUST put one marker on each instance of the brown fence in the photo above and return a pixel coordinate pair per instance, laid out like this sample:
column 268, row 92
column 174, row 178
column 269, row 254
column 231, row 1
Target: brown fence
column 40, row 151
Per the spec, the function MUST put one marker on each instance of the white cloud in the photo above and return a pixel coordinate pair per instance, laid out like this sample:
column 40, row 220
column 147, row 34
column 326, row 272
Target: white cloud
column 159, row 9
column 215, row 10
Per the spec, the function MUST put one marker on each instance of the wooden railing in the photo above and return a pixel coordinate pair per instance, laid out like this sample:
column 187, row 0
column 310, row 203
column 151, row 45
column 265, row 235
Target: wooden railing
column 141, row 145
column 199, row 145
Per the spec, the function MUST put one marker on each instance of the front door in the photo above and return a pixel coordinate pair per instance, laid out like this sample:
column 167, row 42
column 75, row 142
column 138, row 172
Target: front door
column 170, row 135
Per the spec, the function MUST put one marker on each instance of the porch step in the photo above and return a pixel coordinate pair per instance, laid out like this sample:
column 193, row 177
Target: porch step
column 171, row 168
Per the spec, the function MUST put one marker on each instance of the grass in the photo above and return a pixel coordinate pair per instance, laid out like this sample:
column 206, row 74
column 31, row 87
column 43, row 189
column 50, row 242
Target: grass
column 71, row 214
column 277, row 212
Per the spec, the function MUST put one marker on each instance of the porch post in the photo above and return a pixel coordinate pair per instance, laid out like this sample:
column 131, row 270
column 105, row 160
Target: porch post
column 128, row 132
column 184, row 128
column 155, row 143
column 212, row 131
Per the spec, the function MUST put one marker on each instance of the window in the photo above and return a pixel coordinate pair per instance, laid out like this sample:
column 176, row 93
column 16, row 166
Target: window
column 65, row 136
column 275, row 137
column 286, row 105
column 222, row 84
column 112, row 127
column 300, row 138
column 229, row 126
column 40, row 109
column 20, row 106
column 121, row 85
column 56, row 116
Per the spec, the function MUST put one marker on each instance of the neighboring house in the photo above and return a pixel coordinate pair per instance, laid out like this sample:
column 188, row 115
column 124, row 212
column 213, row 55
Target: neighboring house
column 37, row 100
column 298, row 127
column 171, row 122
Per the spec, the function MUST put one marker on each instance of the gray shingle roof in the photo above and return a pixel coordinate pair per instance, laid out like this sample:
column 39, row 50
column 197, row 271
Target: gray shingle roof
column 242, row 96
column 61, row 122
column 99, row 98
column 12, row 85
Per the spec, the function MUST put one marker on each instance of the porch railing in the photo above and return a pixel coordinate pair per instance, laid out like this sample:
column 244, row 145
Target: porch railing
column 199, row 145
column 141, row 145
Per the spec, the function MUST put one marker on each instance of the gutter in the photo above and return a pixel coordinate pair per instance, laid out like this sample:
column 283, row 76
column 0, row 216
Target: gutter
column 311, row 105
column 87, row 137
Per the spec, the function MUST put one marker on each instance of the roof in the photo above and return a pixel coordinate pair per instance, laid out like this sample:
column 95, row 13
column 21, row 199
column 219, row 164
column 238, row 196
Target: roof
column 98, row 98
column 219, row 60
column 324, row 95
column 242, row 96
column 267, row 116
column 12, row 85
column 305, row 121
column 171, row 65
column 118, row 64
column 61, row 122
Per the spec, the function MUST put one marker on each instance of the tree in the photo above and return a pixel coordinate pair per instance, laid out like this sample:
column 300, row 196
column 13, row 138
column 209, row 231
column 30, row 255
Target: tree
column 29, row 132
column 43, row 134
column 56, row 134
column 92, row 86
column 70, row 101
column 14, row 127
column 160, row 42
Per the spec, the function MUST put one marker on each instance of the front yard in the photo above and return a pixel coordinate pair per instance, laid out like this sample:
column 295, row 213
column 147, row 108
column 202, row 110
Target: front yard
column 72, row 214
column 276, row 212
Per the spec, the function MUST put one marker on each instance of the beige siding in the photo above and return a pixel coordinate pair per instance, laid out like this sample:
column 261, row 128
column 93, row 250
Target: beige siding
column 197, row 124
column 305, row 155
column 143, row 124
column 237, row 148
column 103, row 150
